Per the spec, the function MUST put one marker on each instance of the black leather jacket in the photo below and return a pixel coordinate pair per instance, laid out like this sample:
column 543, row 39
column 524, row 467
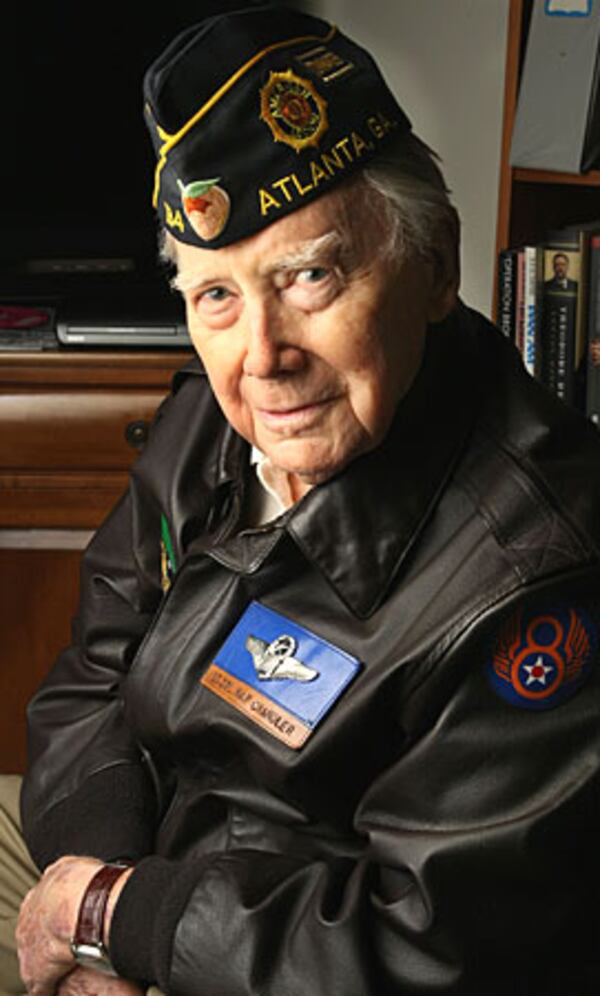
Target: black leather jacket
column 437, row 831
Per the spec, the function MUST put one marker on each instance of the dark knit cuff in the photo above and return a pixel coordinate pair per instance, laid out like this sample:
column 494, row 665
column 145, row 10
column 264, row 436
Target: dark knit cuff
column 146, row 917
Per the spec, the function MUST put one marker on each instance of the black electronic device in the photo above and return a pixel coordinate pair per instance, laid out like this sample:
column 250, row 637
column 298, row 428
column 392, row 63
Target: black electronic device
column 78, row 226
column 77, row 215
column 139, row 318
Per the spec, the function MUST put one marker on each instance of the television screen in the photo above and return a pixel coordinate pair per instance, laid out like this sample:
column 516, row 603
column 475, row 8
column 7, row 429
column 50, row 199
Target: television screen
column 77, row 165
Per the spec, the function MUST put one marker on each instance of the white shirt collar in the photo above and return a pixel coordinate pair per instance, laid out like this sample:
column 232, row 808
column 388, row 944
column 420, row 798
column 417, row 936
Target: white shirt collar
column 275, row 492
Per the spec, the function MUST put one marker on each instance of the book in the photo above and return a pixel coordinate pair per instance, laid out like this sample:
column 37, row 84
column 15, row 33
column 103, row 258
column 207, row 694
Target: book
column 557, row 119
column 527, row 306
column 520, row 301
column 507, row 292
column 563, row 330
column 593, row 333
column 532, row 281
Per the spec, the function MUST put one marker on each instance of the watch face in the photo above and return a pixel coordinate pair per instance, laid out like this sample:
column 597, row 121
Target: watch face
column 92, row 956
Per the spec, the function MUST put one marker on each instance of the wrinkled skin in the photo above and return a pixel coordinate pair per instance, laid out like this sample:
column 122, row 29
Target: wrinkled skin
column 46, row 925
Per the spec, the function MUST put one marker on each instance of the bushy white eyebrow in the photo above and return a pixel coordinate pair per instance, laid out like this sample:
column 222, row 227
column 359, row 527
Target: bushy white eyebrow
column 184, row 282
column 305, row 255
column 309, row 252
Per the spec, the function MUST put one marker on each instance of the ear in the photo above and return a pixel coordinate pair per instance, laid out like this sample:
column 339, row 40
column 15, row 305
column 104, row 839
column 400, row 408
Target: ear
column 445, row 281
column 444, row 259
column 443, row 302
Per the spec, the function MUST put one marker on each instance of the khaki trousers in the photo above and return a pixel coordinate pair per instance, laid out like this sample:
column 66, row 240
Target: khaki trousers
column 18, row 874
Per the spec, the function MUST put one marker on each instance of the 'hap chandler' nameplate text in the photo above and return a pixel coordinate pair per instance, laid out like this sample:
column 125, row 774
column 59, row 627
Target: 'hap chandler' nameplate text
column 257, row 707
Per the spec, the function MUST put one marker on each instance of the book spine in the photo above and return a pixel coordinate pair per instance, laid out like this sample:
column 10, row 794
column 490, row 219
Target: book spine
column 531, row 293
column 520, row 301
column 559, row 322
column 507, row 292
column 593, row 334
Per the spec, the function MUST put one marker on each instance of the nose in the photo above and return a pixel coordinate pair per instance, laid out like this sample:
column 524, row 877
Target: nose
column 271, row 346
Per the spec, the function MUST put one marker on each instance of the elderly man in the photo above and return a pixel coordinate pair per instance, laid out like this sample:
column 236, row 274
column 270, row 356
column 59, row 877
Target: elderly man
column 330, row 720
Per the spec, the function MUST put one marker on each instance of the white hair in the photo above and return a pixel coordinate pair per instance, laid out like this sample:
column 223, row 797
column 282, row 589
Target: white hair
column 421, row 217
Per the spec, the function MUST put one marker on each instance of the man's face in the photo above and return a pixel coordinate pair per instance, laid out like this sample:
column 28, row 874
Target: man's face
column 308, row 333
column 561, row 266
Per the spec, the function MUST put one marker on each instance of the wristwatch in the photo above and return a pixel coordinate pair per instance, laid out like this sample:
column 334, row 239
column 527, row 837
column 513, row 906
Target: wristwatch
column 87, row 945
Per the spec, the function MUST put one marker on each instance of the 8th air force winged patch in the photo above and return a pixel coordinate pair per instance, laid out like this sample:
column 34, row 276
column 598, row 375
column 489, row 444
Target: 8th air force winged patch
column 280, row 675
column 541, row 658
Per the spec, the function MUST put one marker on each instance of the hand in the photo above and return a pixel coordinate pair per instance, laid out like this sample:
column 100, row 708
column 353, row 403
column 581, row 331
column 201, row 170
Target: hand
column 47, row 922
column 86, row 982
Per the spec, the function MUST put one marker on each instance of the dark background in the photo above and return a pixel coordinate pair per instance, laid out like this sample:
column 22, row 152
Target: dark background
column 76, row 161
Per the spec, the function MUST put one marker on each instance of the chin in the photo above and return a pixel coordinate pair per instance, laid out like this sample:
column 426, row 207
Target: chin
column 310, row 462
column 317, row 473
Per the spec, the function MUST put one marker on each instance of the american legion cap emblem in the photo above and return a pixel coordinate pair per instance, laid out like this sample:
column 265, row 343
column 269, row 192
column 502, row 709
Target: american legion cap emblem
column 293, row 109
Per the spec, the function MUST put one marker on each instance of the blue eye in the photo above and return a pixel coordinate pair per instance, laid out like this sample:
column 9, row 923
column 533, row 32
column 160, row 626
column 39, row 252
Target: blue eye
column 215, row 294
column 313, row 274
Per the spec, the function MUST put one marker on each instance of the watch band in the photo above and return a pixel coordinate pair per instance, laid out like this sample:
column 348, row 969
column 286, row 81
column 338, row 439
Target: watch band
column 88, row 941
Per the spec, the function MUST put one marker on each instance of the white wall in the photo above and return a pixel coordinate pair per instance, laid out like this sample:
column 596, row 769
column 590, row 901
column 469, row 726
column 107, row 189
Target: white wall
column 444, row 60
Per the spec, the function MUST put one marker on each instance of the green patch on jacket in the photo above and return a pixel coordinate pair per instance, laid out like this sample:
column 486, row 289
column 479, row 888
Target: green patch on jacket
column 168, row 563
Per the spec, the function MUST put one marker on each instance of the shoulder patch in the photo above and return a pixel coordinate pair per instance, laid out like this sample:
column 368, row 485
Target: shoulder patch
column 541, row 658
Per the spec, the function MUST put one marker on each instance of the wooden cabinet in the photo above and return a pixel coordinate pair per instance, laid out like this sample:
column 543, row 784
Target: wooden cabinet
column 38, row 597
column 532, row 201
column 71, row 424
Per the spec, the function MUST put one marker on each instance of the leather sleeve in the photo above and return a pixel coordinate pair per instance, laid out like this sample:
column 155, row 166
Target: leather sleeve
column 478, row 874
column 84, row 762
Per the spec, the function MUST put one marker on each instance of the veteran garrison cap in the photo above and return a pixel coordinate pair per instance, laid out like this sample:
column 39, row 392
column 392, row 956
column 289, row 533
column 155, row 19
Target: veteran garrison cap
column 256, row 112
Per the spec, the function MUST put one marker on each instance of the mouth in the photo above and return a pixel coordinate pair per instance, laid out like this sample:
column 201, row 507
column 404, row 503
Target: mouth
column 293, row 418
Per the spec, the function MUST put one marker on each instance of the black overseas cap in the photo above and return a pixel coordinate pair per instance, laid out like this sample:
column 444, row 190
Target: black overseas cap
column 256, row 112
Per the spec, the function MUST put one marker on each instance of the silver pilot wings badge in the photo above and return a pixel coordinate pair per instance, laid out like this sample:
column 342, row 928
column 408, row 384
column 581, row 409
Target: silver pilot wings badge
column 276, row 659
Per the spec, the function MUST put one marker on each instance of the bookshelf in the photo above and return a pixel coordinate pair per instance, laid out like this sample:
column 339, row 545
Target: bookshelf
column 532, row 201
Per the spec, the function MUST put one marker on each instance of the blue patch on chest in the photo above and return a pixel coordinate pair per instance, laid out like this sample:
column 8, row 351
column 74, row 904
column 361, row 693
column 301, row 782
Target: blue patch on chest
column 279, row 674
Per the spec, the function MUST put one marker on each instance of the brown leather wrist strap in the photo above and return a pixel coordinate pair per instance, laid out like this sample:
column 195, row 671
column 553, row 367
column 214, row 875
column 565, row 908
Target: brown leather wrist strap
column 90, row 920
